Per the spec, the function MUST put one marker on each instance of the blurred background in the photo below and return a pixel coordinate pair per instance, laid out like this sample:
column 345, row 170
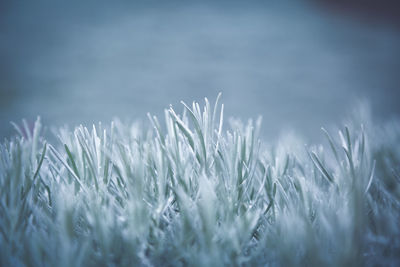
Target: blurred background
column 301, row 64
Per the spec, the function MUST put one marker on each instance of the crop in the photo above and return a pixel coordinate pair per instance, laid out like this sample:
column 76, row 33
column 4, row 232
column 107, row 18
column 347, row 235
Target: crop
column 193, row 192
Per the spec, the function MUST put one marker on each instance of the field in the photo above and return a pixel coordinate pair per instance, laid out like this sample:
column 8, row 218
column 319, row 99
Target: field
column 195, row 189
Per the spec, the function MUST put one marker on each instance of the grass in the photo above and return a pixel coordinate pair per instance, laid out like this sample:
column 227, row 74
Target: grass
column 186, row 192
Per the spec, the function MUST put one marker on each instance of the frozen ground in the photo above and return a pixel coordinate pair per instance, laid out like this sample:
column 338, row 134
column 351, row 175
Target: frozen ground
column 297, row 65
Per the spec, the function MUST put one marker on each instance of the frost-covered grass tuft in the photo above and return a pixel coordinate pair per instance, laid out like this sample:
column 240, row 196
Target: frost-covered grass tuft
column 187, row 192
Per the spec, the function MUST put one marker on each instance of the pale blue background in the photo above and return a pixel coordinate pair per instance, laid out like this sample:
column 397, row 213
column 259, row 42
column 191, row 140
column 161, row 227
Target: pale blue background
column 298, row 64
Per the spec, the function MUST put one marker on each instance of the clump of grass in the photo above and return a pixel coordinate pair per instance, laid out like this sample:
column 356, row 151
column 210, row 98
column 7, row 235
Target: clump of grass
column 185, row 192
